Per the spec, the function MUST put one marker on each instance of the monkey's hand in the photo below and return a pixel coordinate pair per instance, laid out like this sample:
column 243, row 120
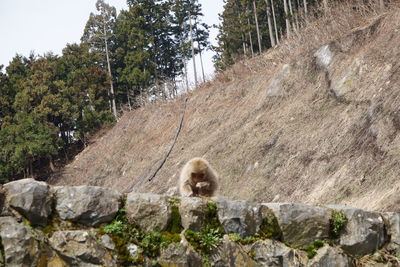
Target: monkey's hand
column 202, row 184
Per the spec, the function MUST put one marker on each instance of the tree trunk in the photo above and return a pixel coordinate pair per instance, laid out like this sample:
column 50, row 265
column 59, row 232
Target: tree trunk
column 297, row 15
column 193, row 54
column 201, row 57
column 129, row 99
column 31, row 168
column 51, row 164
column 305, row 9
column 114, row 108
column 244, row 46
column 292, row 15
column 201, row 64
column 271, row 33
column 325, row 2
column 273, row 15
column 243, row 36
column 184, row 64
column 258, row 29
column 285, row 6
column 251, row 39
column 186, row 75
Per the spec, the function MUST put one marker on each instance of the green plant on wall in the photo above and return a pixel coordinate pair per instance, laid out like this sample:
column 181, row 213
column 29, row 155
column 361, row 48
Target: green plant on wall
column 270, row 227
column 211, row 233
column 338, row 222
column 312, row 249
column 124, row 233
column 204, row 241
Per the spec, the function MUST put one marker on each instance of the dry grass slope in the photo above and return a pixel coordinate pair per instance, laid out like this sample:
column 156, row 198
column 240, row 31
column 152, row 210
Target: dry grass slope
column 316, row 120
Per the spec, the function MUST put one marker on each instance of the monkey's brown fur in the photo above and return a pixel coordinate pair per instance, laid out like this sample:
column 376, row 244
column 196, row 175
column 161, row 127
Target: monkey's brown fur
column 198, row 178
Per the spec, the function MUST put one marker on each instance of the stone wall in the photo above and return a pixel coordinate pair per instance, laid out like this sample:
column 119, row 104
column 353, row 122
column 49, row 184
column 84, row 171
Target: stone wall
column 41, row 225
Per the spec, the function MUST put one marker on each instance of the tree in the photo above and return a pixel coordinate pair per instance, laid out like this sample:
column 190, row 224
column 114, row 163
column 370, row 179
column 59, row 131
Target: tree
column 53, row 103
column 305, row 9
column 287, row 17
column 6, row 98
column 192, row 45
column 257, row 27
column 84, row 87
column 239, row 22
column 188, row 29
column 23, row 142
column 201, row 37
column 98, row 32
column 271, row 35
column 325, row 2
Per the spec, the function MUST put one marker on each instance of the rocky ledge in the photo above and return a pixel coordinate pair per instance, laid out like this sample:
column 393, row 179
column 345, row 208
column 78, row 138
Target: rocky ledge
column 41, row 225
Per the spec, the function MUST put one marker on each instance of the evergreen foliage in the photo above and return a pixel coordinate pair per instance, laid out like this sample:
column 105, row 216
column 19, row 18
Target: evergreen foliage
column 49, row 103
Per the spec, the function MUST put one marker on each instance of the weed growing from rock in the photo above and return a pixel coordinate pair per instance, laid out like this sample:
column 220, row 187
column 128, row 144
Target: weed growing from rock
column 204, row 241
column 124, row 233
column 338, row 222
column 175, row 225
column 270, row 228
column 211, row 233
column 312, row 249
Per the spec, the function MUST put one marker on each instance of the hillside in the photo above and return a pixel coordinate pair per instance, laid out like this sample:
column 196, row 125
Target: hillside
column 316, row 120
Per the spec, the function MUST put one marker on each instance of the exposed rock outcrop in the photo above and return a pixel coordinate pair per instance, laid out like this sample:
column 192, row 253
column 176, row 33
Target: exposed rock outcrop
column 89, row 205
column 170, row 231
column 30, row 198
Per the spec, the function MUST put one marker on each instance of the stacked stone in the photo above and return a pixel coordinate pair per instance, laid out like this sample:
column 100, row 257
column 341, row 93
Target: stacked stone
column 27, row 207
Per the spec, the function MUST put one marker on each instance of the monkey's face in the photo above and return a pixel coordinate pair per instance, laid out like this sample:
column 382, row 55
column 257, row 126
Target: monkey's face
column 197, row 177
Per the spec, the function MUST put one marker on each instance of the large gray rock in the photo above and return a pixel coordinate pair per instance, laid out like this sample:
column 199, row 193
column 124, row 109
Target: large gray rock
column 30, row 198
column 301, row 224
column 392, row 223
column 238, row 216
column 89, row 205
column 330, row 257
column 3, row 207
column 364, row 231
column 20, row 248
column 192, row 211
column 179, row 255
column 230, row 253
column 80, row 248
column 274, row 253
column 150, row 212
column 323, row 56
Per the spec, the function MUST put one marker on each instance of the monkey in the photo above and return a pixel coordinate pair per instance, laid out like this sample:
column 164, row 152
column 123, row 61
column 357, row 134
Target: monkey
column 198, row 178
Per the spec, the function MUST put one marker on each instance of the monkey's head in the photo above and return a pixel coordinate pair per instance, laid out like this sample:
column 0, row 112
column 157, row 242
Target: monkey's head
column 199, row 171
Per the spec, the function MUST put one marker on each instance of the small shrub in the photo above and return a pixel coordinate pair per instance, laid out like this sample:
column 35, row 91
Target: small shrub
column 249, row 240
column 204, row 241
column 338, row 222
column 116, row 227
column 235, row 237
column 124, row 233
column 312, row 249
column 175, row 225
column 211, row 217
column 270, row 228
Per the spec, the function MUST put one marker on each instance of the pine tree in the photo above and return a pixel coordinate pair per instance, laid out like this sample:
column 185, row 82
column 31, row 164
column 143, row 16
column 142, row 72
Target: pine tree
column 188, row 29
column 237, row 28
column 98, row 33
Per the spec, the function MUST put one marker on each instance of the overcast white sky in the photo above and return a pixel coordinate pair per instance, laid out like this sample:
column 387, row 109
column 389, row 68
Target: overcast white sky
column 48, row 25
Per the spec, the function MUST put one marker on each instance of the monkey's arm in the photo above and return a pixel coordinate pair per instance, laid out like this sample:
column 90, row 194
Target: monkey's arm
column 208, row 188
column 187, row 189
column 203, row 184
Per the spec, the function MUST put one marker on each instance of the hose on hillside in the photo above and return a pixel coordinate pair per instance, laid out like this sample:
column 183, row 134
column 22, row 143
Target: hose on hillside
column 164, row 159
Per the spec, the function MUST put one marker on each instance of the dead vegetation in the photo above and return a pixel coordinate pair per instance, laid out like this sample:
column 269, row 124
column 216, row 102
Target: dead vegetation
column 278, row 127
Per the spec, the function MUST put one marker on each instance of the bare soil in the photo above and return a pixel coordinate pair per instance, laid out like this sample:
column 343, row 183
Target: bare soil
column 281, row 127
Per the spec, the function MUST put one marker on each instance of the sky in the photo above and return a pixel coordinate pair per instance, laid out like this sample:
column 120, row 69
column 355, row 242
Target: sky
column 42, row 26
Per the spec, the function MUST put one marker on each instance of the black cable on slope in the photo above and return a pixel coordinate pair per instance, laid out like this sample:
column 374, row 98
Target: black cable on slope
column 172, row 145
